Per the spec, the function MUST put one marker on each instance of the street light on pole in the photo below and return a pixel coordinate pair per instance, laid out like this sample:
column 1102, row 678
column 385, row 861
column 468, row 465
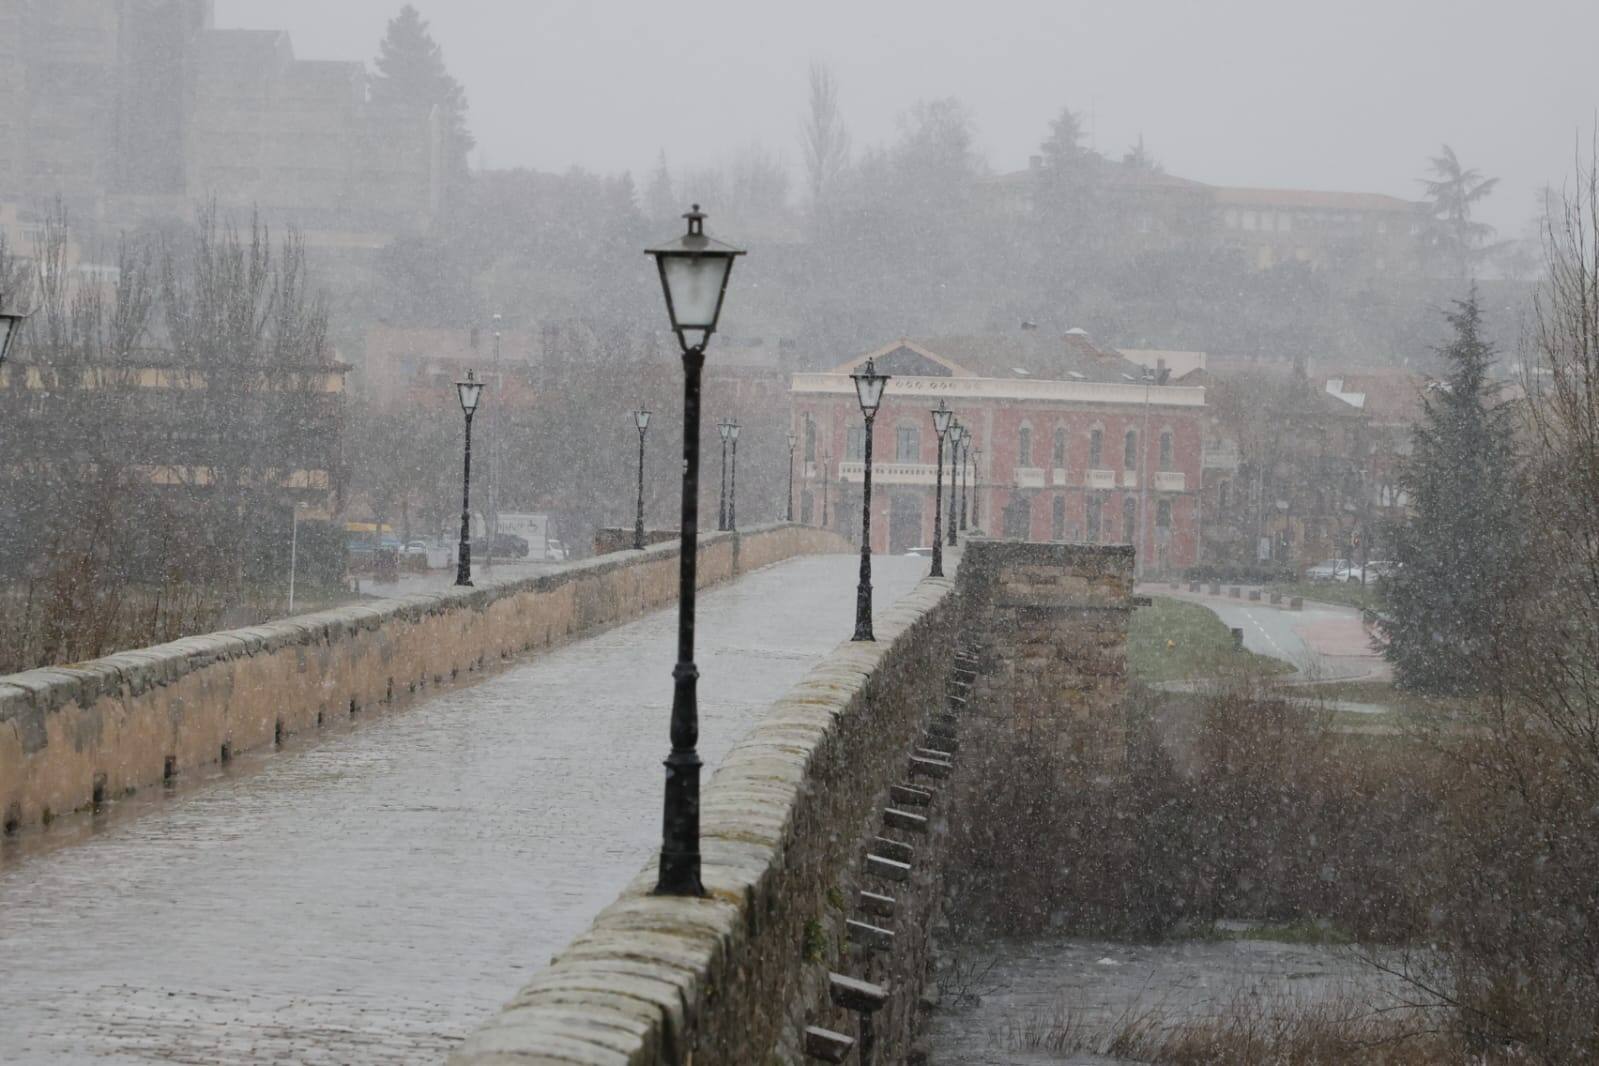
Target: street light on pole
column 469, row 392
column 941, row 422
column 956, row 435
column 963, row 449
column 869, row 390
column 827, row 462
column 641, row 419
column 971, row 455
column 788, row 513
column 725, row 427
column 732, row 481
column 694, row 270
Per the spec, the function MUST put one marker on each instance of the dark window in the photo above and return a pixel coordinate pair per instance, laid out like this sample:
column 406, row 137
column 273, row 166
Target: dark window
column 1018, row 518
column 1223, row 493
column 1130, row 450
column 1165, row 450
column 1060, row 451
column 807, row 508
column 810, row 441
column 1096, row 448
column 907, row 445
column 1024, row 447
column 1129, row 520
column 855, row 444
column 1096, row 507
column 1163, row 514
column 1057, row 519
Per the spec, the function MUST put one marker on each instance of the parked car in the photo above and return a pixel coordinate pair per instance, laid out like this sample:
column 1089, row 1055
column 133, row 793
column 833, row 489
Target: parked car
column 1330, row 570
column 506, row 546
column 1373, row 570
column 415, row 547
column 555, row 550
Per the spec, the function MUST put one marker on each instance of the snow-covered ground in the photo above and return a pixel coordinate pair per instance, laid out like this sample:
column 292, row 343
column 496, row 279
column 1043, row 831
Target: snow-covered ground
column 371, row 895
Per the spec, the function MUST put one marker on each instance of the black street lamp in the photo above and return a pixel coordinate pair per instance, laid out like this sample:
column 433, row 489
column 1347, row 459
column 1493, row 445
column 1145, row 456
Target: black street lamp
column 725, row 427
column 827, row 463
column 973, row 454
column 954, row 456
column 869, row 390
column 641, row 419
column 732, row 481
column 960, row 456
column 469, row 392
column 10, row 326
column 941, row 419
column 788, row 513
column 694, row 270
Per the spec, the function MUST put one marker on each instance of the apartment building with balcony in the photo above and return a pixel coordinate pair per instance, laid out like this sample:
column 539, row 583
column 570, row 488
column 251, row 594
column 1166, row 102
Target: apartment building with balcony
column 1073, row 442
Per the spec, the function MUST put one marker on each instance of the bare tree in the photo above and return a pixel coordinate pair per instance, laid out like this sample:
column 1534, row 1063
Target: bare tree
column 823, row 135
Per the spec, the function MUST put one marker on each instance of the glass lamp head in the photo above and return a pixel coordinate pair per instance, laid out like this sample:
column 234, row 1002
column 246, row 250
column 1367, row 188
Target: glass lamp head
column 942, row 418
column 725, row 428
column 869, row 386
column 641, row 419
column 732, row 433
column 469, row 391
column 694, row 270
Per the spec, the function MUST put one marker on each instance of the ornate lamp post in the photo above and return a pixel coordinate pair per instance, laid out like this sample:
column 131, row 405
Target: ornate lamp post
column 732, row 479
column 869, row 390
column 955, row 435
column 827, row 462
column 941, row 421
column 641, row 419
column 973, row 454
column 788, row 513
column 694, row 270
column 469, row 392
column 725, row 428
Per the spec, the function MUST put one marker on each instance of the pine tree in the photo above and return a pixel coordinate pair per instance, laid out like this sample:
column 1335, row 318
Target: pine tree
column 412, row 80
column 1458, row 552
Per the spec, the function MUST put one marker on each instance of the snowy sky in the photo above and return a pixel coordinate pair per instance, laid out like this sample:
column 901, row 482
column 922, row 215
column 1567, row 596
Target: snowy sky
column 1349, row 95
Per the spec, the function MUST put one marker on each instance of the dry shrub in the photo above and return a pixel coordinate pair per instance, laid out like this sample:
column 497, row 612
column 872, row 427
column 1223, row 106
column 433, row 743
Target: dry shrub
column 1262, row 811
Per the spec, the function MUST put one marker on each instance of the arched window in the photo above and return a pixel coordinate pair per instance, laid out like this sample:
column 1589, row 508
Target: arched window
column 1129, row 520
column 855, row 444
column 1057, row 519
column 907, row 445
column 1024, row 446
column 1096, row 507
column 1130, row 450
column 1060, row 452
column 1165, row 449
column 1096, row 449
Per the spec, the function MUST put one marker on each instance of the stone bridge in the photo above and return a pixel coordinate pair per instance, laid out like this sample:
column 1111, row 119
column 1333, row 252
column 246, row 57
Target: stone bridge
column 349, row 837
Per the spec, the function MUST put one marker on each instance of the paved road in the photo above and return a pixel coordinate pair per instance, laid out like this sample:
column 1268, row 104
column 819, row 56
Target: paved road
column 370, row 897
column 1324, row 642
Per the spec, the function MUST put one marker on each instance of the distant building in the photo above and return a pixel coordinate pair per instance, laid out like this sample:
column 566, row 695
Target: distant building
column 133, row 110
column 1367, row 232
column 1066, row 429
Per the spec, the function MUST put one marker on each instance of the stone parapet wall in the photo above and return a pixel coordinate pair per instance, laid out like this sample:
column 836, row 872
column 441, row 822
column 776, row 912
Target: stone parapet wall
column 736, row 978
column 70, row 736
column 1049, row 626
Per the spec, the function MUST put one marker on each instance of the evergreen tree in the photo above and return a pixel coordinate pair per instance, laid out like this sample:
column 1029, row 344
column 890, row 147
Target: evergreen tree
column 412, row 81
column 1458, row 551
column 1453, row 238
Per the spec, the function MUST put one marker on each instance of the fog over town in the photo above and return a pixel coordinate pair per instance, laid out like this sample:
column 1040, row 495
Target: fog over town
column 1089, row 510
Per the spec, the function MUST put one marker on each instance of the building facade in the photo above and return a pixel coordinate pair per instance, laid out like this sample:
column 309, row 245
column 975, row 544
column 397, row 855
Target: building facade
column 1072, row 442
